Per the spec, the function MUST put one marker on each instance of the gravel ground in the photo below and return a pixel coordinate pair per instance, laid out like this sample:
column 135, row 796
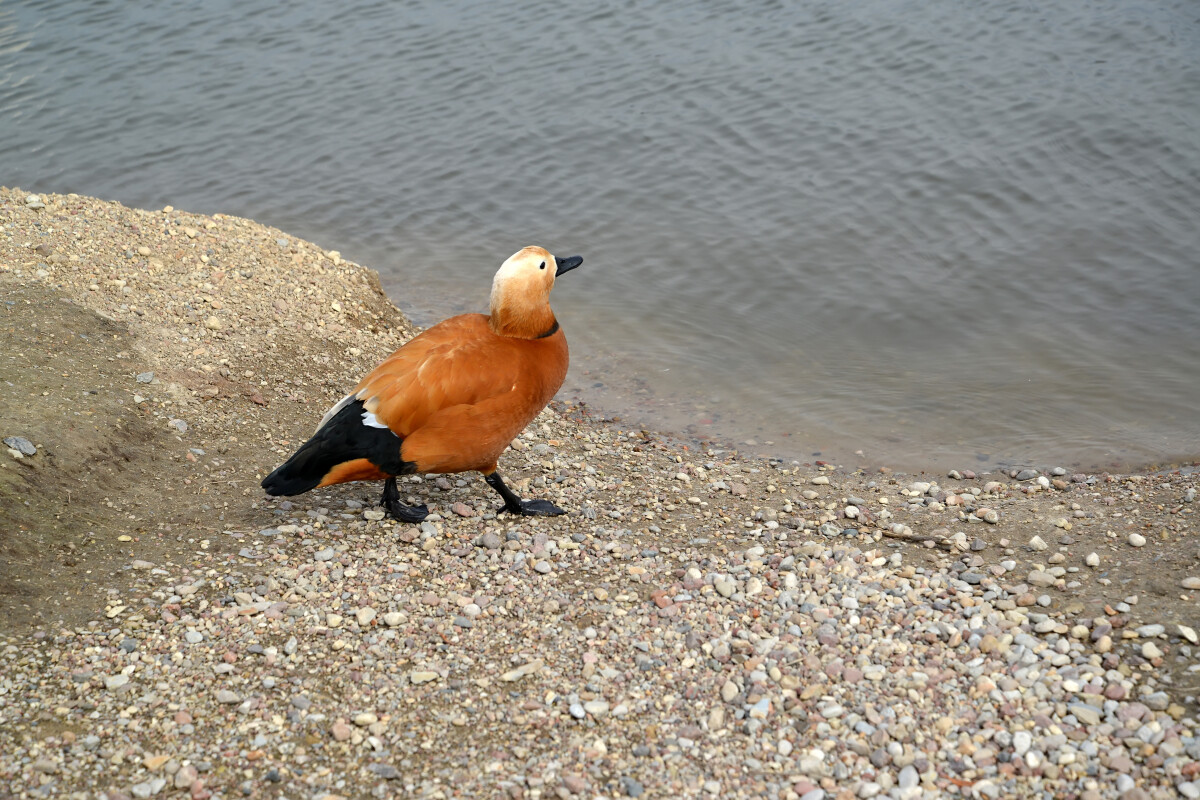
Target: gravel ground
column 701, row 624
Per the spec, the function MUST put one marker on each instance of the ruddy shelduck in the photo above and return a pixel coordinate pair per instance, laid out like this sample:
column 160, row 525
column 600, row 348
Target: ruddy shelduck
column 450, row 400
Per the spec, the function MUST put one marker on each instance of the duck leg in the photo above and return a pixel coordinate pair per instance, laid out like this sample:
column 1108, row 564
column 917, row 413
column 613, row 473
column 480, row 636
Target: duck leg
column 515, row 505
column 397, row 510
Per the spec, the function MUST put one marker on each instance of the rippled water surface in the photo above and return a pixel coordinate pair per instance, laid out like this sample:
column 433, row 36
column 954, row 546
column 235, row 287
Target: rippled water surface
column 938, row 233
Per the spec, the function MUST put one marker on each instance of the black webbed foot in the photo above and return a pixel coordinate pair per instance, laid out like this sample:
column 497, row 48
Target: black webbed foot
column 535, row 508
column 515, row 505
column 396, row 509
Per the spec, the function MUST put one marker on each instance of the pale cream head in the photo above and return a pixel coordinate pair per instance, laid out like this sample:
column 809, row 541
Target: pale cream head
column 520, row 303
column 527, row 274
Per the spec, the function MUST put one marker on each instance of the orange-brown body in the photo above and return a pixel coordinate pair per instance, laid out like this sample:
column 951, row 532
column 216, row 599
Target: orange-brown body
column 457, row 394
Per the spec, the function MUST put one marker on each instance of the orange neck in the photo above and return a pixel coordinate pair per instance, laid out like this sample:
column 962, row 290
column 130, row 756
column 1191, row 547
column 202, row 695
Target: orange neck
column 523, row 323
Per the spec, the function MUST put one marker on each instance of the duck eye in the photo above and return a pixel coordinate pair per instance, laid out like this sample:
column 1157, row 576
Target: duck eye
column 543, row 266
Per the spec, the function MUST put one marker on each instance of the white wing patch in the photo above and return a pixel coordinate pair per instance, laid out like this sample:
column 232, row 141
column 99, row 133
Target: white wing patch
column 372, row 421
column 331, row 413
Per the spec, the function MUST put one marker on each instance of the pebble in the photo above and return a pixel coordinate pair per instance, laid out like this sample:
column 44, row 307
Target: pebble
column 1093, row 560
column 631, row 786
column 1137, row 540
column 226, row 697
column 1041, row 578
column 597, row 708
column 1192, row 583
column 21, row 445
column 148, row 788
column 1037, row 543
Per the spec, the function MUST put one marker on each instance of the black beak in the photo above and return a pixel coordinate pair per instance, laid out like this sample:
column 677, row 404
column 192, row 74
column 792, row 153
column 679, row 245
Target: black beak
column 567, row 264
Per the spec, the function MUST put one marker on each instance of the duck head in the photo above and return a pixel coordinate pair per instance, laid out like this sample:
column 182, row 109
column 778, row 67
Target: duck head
column 520, row 304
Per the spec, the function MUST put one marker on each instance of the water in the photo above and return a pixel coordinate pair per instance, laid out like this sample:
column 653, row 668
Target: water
column 934, row 234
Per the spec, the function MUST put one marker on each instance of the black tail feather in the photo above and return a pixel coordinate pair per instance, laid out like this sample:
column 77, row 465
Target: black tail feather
column 344, row 438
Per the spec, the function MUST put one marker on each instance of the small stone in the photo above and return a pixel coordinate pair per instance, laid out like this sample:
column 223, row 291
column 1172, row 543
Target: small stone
column 422, row 676
column 1021, row 742
column 21, row 444
column 148, row 788
column 573, row 783
column 155, row 763
column 729, row 691
column 1041, row 578
column 341, row 731
column 365, row 718
column 724, row 587
column 490, row 541
column 597, row 708
column 186, row 776
column 1150, row 651
column 364, row 616
column 632, row 786
column 1092, row 560
column 1137, row 540
column 1191, row 583
column 543, row 567
column 1087, row 714
column 1037, row 543
column 520, row 672
column 226, row 697
column 114, row 682
column 145, row 377
column 393, row 618
column 213, row 324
